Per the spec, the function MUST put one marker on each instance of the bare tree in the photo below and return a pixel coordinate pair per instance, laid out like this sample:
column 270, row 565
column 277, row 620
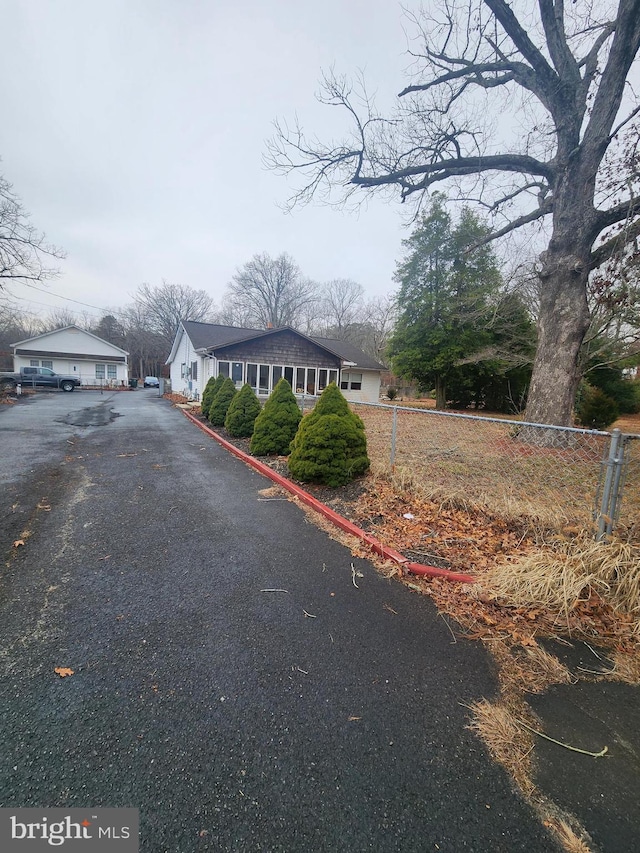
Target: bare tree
column 270, row 292
column 562, row 73
column 165, row 306
column 24, row 251
column 342, row 302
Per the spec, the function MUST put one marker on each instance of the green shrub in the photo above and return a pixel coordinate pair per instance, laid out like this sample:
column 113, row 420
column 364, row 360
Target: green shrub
column 211, row 389
column 594, row 409
column 276, row 425
column 242, row 413
column 221, row 402
column 392, row 392
column 330, row 446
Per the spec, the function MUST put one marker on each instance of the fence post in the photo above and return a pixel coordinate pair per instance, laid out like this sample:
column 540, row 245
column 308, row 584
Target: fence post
column 394, row 428
column 610, row 489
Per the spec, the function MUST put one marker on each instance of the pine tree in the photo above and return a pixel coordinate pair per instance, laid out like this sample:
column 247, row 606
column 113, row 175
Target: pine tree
column 276, row 425
column 330, row 446
column 242, row 413
column 221, row 402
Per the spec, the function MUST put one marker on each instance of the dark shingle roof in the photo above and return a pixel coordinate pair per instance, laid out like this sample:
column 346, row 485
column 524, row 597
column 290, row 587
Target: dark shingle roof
column 211, row 336
column 350, row 352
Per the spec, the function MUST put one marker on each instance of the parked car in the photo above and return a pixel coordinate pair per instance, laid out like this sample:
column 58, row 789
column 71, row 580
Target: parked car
column 151, row 382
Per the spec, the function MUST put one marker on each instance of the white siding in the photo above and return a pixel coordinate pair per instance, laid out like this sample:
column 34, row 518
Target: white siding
column 85, row 371
column 72, row 341
column 186, row 355
column 370, row 391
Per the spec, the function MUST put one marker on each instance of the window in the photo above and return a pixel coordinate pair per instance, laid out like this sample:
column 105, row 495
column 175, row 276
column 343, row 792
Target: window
column 333, row 376
column 263, row 379
column 101, row 371
column 236, row 372
column 30, row 371
column 300, row 371
column 351, row 382
column 288, row 375
column 194, row 370
column 223, row 368
column 311, row 380
column 112, row 371
column 34, row 362
column 252, row 375
column 276, row 375
column 322, row 379
column 47, row 362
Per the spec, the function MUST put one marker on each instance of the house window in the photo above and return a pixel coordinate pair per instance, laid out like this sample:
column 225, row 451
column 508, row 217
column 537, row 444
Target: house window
column 263, row 379
column 236, row 372
column 112, row 371
column 276, row 373
column 288, row 375
column 351, row 382
column 194, row 370
column 300, row 372
column 47, row 362
column 333, row 376
column 252, row 375
column 101, row 371
column 322, row 379
column 223, row 368
column 34, row 362
column 311, row 380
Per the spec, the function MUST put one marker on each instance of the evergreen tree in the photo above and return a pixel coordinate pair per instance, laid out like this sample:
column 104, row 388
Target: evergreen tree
column 330, row 446
column 446, row 336
column 276, row 425
column 211, row 389
column 242, row 413
column 221, row 402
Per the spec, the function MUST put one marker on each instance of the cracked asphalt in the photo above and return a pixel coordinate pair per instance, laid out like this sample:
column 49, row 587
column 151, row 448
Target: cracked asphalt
column 230, row 681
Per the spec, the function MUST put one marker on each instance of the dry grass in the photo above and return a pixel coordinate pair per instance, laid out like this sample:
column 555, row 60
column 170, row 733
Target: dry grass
column 497, row 465
column 509, row 743
column 566, row 574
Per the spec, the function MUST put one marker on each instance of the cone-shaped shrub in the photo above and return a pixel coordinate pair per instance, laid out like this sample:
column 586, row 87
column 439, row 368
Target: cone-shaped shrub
column 242, row 413
column 330, row 446
column 277, row 423
column 221, row 402
column 211, row 389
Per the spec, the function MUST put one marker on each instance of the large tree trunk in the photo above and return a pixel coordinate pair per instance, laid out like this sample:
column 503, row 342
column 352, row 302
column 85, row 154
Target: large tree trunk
column 441, row 393
column 562, row 324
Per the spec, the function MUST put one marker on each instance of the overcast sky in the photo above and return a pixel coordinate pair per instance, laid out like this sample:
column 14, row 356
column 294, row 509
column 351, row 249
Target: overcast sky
column 134, row 131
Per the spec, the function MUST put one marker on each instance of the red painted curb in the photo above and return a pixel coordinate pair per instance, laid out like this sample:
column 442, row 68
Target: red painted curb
column 331, row 515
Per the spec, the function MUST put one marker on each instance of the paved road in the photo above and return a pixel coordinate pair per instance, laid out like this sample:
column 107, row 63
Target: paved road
column 233, row 719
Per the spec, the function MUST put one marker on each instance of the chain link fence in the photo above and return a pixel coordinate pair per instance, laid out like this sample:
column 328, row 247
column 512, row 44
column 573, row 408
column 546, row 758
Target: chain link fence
column 556, row 477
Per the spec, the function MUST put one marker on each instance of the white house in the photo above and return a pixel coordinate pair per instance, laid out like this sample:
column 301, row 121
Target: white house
column 262, row 357
column 75, row 352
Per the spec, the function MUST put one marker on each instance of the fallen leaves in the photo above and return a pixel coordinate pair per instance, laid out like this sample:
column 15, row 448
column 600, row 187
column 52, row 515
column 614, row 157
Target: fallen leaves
column 63, row 671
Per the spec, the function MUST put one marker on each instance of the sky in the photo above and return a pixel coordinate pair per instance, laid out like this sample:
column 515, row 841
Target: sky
column 134, row 133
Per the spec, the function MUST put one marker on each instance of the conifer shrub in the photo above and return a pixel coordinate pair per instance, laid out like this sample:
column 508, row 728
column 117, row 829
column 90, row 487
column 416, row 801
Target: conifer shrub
column 211, row 389
column 594, row 408
column 242, row 413
column 221, row 402
column 277, row 423
column 330, row 446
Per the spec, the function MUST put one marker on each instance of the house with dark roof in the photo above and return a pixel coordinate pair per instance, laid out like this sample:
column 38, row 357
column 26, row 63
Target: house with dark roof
column 261, row 357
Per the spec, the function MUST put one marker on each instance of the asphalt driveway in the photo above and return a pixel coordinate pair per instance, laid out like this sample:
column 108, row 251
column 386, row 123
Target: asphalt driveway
column 230, row 680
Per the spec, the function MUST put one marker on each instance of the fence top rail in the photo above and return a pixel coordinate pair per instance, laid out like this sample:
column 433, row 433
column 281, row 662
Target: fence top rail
column 483, row 418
